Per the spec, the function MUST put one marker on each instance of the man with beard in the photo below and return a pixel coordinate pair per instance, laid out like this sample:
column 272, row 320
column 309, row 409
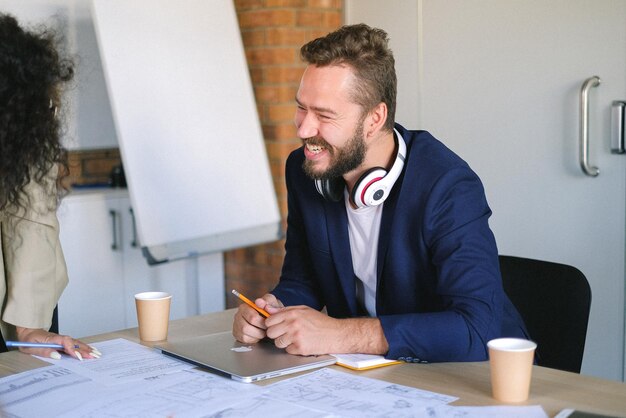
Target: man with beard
column 415, row 278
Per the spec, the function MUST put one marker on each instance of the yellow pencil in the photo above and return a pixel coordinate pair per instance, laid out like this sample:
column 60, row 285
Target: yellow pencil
column 250, row 303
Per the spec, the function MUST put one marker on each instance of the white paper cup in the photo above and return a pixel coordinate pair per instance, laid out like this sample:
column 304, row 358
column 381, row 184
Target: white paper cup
column 511, row 364
column 153, row 315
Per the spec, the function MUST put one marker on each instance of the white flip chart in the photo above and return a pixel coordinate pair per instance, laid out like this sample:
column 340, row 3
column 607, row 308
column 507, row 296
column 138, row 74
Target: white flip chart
column 187, row 125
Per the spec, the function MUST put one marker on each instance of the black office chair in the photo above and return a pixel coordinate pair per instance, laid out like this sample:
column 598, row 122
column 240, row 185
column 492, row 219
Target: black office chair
column 554, row 300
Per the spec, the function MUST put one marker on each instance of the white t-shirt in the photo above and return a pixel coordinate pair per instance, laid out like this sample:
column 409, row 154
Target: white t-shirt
column 363, row 229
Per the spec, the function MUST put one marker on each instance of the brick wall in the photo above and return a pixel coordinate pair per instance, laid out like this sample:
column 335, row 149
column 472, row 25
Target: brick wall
column 273, row 32
column 90, row 167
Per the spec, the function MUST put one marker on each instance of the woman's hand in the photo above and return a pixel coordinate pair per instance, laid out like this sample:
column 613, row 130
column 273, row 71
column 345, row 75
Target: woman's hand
column 72, row 347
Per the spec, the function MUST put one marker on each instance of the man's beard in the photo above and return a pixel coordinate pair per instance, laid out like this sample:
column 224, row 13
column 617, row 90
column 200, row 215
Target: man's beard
column 346, row 159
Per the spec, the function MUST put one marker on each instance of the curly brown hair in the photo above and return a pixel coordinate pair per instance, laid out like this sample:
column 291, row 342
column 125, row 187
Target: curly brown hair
column 31, row 75
column 366, row 51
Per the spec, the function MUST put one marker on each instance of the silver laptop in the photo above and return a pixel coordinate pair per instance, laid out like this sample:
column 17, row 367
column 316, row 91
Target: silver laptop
column 222, row 354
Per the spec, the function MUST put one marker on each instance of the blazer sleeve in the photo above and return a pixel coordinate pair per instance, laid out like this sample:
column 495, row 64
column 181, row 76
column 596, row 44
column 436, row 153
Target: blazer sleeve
column 35, row 272
column 462, row 278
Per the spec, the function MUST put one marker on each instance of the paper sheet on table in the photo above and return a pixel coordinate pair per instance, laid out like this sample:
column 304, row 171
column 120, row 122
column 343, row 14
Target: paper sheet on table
column 447, row 411
column 341, row 394
column 348, row 395
column 255, row 407
column 44, row 391
column 122, row 361
column 60, row 392
column 187, row 393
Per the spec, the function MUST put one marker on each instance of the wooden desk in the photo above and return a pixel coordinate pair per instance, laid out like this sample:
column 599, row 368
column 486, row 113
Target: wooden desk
column 553, row 389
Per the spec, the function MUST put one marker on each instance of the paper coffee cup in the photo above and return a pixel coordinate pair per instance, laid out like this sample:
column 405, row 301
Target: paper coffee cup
column 511, row 364
column 153, row 314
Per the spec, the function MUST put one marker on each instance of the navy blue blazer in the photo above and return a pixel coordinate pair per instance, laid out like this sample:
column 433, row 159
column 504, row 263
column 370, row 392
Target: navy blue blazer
column 439, row 294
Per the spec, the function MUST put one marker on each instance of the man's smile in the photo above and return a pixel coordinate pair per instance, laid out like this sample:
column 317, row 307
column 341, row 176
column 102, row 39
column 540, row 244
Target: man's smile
column 315, row 148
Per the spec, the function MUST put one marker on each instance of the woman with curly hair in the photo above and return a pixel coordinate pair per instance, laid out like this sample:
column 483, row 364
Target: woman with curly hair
column 33, row 273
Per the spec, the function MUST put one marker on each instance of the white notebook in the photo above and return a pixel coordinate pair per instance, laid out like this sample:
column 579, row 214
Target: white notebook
column 363, row 361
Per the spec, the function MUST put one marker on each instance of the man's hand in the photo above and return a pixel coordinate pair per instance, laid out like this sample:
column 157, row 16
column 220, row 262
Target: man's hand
column 248, row 325
column 33, row 335
column 305, row 331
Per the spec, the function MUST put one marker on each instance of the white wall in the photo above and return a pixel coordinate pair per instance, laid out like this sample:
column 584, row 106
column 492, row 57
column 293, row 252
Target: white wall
column 403, row 31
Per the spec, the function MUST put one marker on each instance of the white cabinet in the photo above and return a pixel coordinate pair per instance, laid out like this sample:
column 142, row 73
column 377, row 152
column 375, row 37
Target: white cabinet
column 106, row 268
column 93, row 302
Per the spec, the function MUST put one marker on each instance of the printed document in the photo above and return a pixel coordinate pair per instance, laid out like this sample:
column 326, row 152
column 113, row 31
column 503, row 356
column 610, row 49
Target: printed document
column 122, row 361
column 133, row 380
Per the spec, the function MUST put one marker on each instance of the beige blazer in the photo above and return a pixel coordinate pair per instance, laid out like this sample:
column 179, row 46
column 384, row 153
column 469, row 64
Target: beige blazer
column 34, row 273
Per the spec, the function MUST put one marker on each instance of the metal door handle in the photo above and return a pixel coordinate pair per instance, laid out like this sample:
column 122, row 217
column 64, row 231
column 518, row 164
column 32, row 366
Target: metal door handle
column 584, row 126
column 114, row 245
column 134, row 242
column 618, row 118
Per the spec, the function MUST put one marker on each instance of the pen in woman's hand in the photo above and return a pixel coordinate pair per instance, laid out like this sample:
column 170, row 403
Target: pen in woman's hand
column 36, row 345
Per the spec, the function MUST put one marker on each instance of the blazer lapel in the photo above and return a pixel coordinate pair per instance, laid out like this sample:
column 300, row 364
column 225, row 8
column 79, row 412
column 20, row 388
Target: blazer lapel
column 384, row 235
column 337, row 224
column 389, row 209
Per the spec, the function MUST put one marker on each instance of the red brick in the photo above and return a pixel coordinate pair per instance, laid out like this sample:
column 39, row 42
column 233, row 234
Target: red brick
column 265, row 56
column 256, row 75
column 260, row 110
column 286, row 36
column 276, row 93
column 248, row 4
column 318, row 33
column 261, row 257
column 276, row 261
column 282, row 205
column 281, row 149
column 238, row 255
column 284, row 74
column 325, row 4
column 282, row 131
column 332, row 20
column 232, row 270
column 252, row 38
column 309, row 18
column 286, row 3
column 279, row 185
column 281, row 113
column 266, row 18
column 278, row 177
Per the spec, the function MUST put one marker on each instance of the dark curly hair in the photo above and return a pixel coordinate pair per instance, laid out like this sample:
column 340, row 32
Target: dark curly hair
column 31, row 75
column 366, row 50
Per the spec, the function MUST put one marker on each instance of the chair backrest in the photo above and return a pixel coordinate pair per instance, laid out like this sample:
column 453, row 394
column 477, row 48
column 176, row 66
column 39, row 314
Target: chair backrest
column 554, row 300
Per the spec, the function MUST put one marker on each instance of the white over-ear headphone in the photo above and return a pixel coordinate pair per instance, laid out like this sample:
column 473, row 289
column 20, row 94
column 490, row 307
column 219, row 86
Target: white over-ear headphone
column 373, row 187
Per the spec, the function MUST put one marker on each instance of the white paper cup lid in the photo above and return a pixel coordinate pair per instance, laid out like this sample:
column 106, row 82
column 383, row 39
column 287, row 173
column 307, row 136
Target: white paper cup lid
column 152, row 295
column 512, row 344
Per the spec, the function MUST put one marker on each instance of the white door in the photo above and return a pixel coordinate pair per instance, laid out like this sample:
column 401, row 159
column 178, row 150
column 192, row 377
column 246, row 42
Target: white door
column 498, row 81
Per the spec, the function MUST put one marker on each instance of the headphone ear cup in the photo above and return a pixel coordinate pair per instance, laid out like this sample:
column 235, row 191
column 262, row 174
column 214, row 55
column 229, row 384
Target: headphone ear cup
column 331, row 189
column 364, row 192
